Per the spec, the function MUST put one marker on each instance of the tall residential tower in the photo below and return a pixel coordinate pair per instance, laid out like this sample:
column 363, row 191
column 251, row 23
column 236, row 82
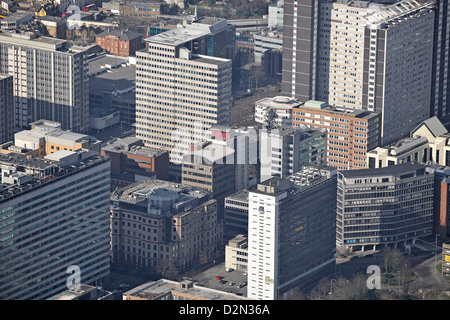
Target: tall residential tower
column 50, row 80
column 372, row 55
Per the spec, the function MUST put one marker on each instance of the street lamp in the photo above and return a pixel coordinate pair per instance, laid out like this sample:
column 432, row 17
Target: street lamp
column 435, row 265
column 331, row 283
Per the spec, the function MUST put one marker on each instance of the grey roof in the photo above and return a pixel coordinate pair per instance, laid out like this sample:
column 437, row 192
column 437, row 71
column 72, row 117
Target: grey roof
column 122, row 34
column 434, row 125
column 390, row 170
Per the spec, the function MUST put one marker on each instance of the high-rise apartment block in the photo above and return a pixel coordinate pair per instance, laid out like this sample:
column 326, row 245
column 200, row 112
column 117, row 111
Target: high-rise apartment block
column 50, row 80
column 55, row 214
column 440, row 85
column 156, row 223
column 291, row 232
column 285, row 151
column 180, row 90
column 386, row 206
column 6, row 109
column 300, row 36
column 362, row 54
column 351, row 132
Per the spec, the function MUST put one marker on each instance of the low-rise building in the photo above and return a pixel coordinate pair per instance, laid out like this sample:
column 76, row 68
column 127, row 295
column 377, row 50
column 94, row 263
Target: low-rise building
column 47, row 137
column 129, row 157
column 156, row 223
column 164, row 289
column 120, row 42
column 236, row 253
column 142, row 9
column 429, row 142
column 275, row 112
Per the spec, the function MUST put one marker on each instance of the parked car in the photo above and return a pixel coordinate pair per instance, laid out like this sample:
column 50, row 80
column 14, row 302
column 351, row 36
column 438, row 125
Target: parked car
column 219, row 277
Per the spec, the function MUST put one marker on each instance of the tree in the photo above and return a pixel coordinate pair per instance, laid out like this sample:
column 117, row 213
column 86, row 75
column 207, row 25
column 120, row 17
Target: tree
column 167, row 269
column 321, row 289
column 295, row 294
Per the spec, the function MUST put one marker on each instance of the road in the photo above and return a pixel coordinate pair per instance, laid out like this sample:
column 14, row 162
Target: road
column 423, row 265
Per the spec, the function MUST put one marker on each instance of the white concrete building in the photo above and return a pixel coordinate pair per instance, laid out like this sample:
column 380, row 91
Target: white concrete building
column 50, row 80
column 291, row 238
column 180, row 94
column 275, row 112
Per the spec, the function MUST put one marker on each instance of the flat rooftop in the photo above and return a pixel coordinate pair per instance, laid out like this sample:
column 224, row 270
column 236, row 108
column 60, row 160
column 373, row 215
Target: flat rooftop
column 178, row 36
column 42, row 170
column 390, row 170
column 239, row 196
column 357, row 113
column 28, row 39
column 157, row 289
column 134, row 146
column 278, row 102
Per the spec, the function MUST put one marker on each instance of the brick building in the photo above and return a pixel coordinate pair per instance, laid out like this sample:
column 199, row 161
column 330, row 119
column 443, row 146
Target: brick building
column 351, row 132
column 120, row 42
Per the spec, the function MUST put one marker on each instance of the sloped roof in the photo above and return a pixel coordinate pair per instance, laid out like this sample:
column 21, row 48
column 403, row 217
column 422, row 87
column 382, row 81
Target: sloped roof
column 434, row 125
column 121, row 34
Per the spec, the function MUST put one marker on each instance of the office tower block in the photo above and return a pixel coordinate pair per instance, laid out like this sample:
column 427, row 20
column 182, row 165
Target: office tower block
column 212, row 168
column 369, row 55
column 158, row 223
column 440, row 86
column 244, row 142
column 50, row 80
column 180, row 94
column 6, row 109
column 300, row 34
column 351, row 132
column 386, row 206
column 284, row 152
column 55, row 215
column 291, row 232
